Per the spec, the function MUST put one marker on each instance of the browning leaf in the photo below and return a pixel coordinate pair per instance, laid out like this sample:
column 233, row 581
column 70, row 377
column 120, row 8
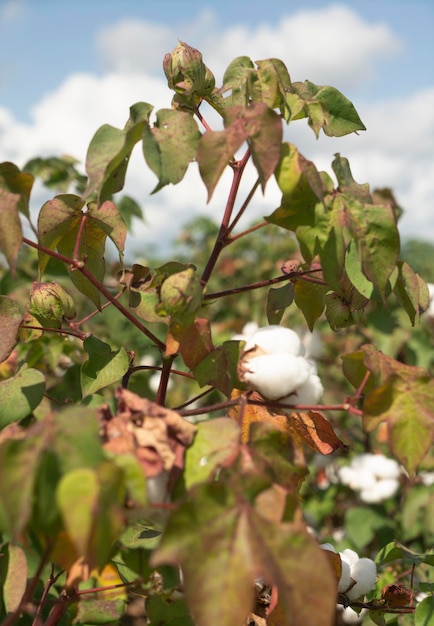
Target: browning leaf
column 316, row 431
column 155, row 435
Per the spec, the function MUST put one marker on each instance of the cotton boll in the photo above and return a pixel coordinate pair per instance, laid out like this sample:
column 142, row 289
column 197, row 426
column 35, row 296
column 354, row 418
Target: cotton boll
column 275, row 375
column 380, row 465
column 345, row 579
column 364, row 572
column 356, row 478
column 350, row 616
column 382, row 490
column 275, row 339
column 349, row 556
column 310, row 392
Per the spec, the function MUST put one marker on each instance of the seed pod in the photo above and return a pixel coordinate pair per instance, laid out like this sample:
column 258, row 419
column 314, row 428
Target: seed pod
column 180, row 294
column 50, row 304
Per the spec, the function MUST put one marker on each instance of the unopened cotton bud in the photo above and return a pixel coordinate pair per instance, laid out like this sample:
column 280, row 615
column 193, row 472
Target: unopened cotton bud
column 364, row 572
column 275, row 375
column 275, row 339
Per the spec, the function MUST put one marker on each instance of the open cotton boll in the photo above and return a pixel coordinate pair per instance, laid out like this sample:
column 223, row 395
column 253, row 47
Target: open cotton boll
column 309, row 392
column 381, row 466
column 275, row 340
column 381, row 490
column 345, row 579
column 364, row 572
column 349, row 556
column 275, row 375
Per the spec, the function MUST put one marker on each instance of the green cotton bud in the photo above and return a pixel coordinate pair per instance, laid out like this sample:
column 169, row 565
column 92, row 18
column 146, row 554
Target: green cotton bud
column 180, row 294
column 187, row 74
column 50, row 304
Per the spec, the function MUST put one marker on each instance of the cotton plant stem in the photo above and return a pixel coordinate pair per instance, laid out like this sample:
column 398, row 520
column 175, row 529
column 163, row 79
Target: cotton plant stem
column 80, row 267
column 221, row 241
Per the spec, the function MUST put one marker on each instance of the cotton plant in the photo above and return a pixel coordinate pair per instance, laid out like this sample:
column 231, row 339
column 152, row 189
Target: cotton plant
column 374, row 476
column 274, row 363
column 358, row 578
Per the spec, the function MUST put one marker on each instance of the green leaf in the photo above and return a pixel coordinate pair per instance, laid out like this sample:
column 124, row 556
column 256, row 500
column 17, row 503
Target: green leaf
column 309, row 297
column 15, row 187
column 108, row 218
column 301, row 187
column 215, row 440
column 342, row 118
column 219, row 368
column 103, row 366
column 208, row 538
column 170, row 146
column 76, row 440
column 279, row 299
column 424, row 613
column 354, row 271
column 410, row 291
column 364, row 523
column 10, row 320
column 15, row 582
column 222, row 543
column 90, row 611
column 19, row 461
column 90, row 504
column 215, row 150
column 174, row 611
column 109, row 152
column 407, row 404
column 20, row 394
column 55, row 220
column 129, row 209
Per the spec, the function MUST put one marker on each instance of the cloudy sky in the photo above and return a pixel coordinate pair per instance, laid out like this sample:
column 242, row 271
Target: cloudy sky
column 69, row 66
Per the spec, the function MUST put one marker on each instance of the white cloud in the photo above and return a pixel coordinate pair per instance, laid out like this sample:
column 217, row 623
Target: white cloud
column 332, row 45
column 12, row 10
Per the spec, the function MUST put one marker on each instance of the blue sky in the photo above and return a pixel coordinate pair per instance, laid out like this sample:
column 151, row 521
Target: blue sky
column 71, row 65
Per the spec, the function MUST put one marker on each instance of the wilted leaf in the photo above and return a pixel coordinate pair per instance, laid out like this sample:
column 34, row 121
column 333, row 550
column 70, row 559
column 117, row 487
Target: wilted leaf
column 10, row 320
column 316, row 431
column 103, row 366
column 170, row 146
column 155, row 435
column 20, row 394
column 15, row 582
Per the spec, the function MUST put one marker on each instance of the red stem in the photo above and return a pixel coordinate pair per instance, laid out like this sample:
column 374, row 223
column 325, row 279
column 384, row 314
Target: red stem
column 221, row 241
column 96, row 283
